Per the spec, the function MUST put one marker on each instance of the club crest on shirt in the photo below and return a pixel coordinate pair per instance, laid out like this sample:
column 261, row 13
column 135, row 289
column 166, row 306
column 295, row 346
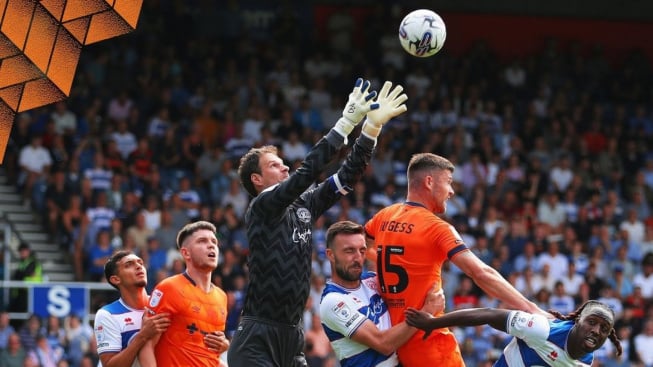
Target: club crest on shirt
column 155, row 298
column 304, row 215
column 371, row 283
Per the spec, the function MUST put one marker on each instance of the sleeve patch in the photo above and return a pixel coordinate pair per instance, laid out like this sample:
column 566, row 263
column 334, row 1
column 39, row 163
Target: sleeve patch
column 342, row 311
column 155, row 298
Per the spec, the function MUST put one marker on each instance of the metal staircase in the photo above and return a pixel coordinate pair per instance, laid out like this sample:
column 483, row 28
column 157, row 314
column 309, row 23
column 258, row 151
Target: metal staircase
column 27, row 227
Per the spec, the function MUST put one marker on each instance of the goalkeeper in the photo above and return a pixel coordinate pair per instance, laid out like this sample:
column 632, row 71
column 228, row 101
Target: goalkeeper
column 279, row 223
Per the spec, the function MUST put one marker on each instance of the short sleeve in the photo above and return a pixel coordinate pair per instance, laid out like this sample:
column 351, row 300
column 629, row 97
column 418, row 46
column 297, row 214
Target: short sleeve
column 533, row 329
column 107, row 333
column 163, row 298
column 339, row 313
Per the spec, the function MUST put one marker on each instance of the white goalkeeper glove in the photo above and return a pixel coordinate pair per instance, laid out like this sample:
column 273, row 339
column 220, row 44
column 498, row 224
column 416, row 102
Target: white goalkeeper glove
column 360, row 102
column 391, row 104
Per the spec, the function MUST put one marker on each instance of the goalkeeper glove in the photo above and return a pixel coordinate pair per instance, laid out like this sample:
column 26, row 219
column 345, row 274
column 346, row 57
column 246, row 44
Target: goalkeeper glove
column 391, row 104
column 360, row 102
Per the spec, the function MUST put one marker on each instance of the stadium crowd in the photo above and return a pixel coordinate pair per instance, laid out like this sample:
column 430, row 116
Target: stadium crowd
column 553, row 180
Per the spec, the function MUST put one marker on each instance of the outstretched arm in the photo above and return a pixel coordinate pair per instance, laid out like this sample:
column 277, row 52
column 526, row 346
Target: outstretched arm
column 468, row 317
column 272, row 203
column 495, row 285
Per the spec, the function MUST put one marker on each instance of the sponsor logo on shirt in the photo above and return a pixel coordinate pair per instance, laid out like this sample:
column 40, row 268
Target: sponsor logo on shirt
column 298, row 236
column 353, row 318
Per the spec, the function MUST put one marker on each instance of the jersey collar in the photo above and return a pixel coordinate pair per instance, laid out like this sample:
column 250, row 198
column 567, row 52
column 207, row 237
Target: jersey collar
column 412, row 203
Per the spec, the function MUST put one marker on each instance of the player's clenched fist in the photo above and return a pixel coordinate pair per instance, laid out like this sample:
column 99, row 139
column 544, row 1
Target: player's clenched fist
column 154, row 324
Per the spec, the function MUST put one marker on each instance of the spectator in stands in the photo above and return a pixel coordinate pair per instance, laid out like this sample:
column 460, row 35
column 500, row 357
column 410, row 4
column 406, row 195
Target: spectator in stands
column 97, row 218
column 97, row 255
column 130, row 208
column 644, row 278
column 125, row 139
column 99, row 175
column 120, row 106
column 157, row 258
column 189, row 198
column 572, row 280
column 34, row 161
column 141, row 165
column 551, row 211
column 192, row 148
column 5, row 329
column 55, row 334
column 236, row 197
column 114, row 161
column 79, row 337
column 57, row 197
column 178, row 213
column 208, row 166
column 65, row 121
column 294, row 149
column 159, row 124
column 13, row 355
column 561, row 175
column 557, row 262
column 166, row 232
column 29, row 331
column 152, row 213
column 168, row 158
column 138, row 233
column 643, row 344
column 560, row 299
column 634, row 226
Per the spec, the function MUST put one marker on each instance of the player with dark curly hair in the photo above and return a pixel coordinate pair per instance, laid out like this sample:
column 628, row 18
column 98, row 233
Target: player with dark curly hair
column 568, row 341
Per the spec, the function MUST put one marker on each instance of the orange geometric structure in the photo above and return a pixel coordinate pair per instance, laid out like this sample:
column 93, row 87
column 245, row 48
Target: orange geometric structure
column 40, row 45
column 90, row 21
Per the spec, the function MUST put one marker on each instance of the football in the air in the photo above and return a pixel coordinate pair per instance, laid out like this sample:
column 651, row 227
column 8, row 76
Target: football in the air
column 422, row 33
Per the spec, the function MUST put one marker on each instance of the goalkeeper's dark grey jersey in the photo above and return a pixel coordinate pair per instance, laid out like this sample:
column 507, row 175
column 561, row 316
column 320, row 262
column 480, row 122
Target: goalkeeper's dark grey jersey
column 279, row 223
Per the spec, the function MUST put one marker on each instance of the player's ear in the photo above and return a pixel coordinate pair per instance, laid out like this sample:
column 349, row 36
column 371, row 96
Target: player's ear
column 114, row 279
column 256, row 178
column 428, row 181
column 329, row 255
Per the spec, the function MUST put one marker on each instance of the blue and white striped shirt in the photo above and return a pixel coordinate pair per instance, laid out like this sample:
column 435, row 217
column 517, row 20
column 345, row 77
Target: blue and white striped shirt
column 344, row 310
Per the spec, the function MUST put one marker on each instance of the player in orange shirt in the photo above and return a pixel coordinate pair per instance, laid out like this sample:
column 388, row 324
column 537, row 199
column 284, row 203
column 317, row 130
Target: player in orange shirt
column 197, row 308
column 409, row 244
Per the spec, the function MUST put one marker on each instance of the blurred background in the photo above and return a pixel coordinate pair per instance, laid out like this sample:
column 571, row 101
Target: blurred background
column 545, row 108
